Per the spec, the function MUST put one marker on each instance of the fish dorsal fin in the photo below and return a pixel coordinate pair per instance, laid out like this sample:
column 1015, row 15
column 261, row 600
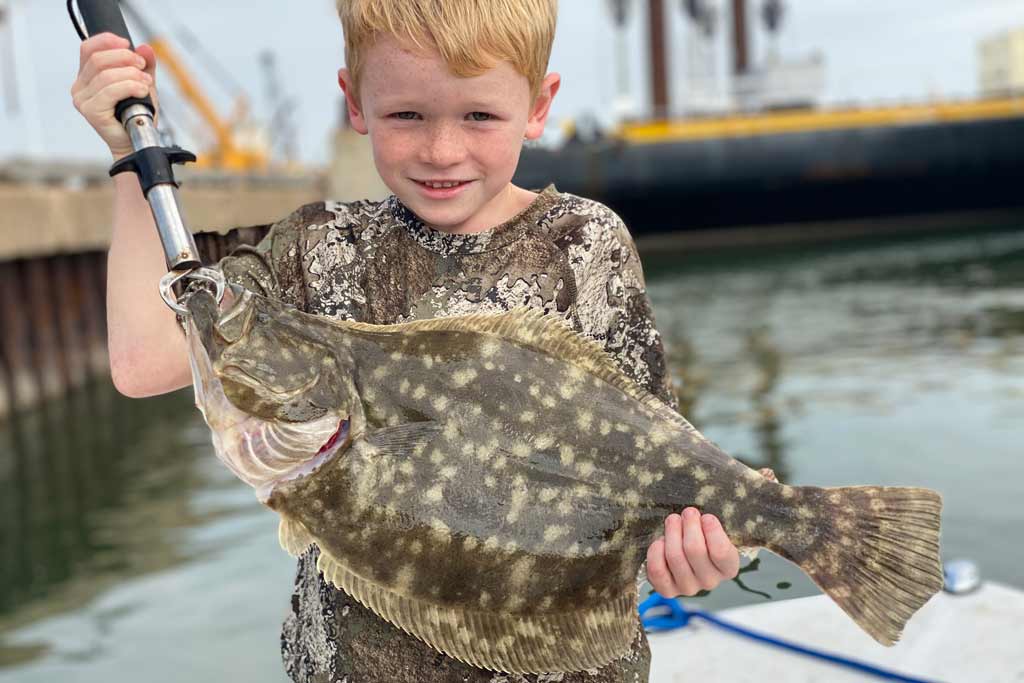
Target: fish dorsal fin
column 547, row 334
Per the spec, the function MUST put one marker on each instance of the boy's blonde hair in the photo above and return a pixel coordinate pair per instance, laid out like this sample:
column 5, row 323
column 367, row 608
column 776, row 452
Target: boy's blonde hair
column 471, row 35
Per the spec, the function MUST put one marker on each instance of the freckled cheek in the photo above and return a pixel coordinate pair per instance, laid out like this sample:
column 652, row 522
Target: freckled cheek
column 496, row 150
column 392, row 149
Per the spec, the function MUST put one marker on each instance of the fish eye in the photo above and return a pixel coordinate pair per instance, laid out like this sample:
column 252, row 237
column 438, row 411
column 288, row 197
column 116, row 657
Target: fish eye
column 262, row 318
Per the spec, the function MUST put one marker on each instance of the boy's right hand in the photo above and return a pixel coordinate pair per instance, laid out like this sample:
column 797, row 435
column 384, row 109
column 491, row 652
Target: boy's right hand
column 108, row 72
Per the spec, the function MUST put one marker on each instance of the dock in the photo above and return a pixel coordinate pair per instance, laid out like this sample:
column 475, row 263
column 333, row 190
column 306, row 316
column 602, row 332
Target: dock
column 972, row 637
column 54, row 233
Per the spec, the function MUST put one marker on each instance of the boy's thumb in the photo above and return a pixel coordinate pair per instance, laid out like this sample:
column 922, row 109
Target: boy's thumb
column 147, row 53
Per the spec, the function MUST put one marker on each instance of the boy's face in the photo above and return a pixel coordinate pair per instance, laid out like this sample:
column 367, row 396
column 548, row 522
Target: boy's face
column 428, row 126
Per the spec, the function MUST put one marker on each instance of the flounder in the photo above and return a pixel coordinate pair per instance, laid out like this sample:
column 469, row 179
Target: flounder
column 490, row 483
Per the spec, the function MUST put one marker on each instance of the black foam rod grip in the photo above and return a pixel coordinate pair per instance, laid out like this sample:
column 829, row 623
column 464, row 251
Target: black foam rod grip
column 104, row 16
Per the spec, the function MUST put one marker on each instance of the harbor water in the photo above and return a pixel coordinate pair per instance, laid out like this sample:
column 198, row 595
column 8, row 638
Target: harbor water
column 129, row 553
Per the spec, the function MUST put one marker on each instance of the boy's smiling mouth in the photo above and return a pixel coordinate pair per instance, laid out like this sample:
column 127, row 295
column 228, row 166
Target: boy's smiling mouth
column 442, row 189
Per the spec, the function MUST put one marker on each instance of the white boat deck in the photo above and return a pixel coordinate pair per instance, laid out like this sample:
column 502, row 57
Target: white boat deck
column 973, row 638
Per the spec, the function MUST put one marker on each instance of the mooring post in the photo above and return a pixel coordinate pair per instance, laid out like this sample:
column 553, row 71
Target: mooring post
column 68, row 307
column 90, row 270
column 47, row 362
column 22, row 389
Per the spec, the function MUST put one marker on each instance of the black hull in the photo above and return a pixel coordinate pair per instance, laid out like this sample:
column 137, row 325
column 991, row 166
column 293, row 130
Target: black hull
column 809, row 177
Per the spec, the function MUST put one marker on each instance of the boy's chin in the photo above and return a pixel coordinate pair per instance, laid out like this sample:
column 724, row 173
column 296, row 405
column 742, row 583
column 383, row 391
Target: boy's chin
column 447, row 215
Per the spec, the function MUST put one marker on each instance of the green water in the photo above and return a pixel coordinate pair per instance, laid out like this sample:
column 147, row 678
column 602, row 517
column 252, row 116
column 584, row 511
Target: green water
column 129, row 553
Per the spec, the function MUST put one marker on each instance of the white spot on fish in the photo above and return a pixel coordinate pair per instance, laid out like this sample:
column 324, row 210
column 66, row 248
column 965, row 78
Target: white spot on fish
column 584, row 419
column 403, row 388
column 676, row 460
column 440, row 403
column 741, row 491
column 555, row 532
column 699, row 473
column 419, row 392
column 461, row 378
column 567, row 391
column 705, row 494
column 659, row 435
column 489, row 348
column 544, row 442
column 566, row 454
column 528, row 416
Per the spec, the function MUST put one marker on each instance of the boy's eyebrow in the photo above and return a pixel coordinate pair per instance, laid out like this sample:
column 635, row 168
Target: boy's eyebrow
column 399, row 102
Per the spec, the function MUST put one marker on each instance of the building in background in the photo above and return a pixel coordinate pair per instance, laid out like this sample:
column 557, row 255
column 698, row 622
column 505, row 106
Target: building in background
column 1001, row 64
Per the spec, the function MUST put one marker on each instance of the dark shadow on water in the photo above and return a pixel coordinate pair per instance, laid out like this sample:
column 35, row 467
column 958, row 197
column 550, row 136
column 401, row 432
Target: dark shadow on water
column 92, row 489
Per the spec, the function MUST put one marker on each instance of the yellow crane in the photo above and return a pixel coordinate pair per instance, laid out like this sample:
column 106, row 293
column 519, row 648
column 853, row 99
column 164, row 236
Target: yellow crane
column 227, row 152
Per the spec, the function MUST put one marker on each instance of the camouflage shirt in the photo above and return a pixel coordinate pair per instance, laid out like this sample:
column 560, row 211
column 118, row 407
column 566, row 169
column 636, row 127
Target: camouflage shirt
column 377, row 262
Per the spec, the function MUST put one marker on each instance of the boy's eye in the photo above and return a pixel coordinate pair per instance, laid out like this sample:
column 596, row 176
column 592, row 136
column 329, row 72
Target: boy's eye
column 480, row 116
column 406, row 115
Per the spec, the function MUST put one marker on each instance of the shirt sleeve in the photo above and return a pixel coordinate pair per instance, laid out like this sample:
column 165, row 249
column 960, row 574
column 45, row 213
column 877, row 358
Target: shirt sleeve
column 613, row 308
column 272, row 267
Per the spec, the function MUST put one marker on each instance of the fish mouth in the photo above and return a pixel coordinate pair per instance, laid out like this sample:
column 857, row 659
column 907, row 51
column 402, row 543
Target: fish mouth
column 261, row 452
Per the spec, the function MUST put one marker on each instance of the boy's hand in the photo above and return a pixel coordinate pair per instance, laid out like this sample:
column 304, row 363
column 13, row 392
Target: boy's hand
column 108, row 72
column 694, row 555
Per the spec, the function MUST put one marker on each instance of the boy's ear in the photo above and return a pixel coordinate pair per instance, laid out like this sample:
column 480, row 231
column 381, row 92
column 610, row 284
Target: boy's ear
column 542, row 106
column 355, row 111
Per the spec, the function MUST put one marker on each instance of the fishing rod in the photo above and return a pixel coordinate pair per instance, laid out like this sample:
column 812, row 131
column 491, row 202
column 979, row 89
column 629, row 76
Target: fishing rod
column 151, row 162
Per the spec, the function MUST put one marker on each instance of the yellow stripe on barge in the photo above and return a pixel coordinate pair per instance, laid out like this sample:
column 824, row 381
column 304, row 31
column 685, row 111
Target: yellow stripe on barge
column 808, row 121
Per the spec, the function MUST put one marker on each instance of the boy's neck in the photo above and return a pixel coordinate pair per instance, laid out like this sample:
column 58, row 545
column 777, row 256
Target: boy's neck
column 507, row 204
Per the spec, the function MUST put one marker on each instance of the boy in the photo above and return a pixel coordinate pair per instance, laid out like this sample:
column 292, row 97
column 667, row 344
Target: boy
column 447, row 90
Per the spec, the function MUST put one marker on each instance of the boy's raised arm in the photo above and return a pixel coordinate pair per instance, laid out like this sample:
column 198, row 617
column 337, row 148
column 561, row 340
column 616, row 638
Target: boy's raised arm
column 147, row 349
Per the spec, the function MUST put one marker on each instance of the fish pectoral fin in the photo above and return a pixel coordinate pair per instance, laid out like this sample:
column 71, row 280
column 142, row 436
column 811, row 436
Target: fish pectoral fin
column 403, row 440
column 294, row 536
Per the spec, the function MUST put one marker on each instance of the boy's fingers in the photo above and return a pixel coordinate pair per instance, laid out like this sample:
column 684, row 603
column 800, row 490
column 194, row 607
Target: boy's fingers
column 657, row 570
column 100, row 62
column 723, row 553
column 149, row 55
column 675, row 557
column 696, row 550
column 105, row 100
column 99, row 43
column 100, row 88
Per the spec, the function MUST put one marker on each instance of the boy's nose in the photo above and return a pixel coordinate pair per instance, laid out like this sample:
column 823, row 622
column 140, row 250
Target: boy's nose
column 444, row 146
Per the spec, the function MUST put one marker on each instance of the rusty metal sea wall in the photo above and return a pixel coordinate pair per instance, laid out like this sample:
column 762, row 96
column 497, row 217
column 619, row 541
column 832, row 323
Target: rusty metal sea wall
column 53, row 241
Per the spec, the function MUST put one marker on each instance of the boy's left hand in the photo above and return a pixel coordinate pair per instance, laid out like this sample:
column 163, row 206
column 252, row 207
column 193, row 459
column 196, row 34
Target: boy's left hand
column 694, row 555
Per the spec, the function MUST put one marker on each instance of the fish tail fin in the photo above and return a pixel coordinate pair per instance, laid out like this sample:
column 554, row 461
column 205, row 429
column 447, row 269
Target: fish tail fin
column 872, row 549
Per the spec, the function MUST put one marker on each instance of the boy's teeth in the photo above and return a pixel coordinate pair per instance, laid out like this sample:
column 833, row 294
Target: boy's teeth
column 438, row 186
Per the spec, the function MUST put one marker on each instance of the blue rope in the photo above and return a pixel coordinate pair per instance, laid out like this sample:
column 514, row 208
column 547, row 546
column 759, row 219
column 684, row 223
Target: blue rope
column 679, row 616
